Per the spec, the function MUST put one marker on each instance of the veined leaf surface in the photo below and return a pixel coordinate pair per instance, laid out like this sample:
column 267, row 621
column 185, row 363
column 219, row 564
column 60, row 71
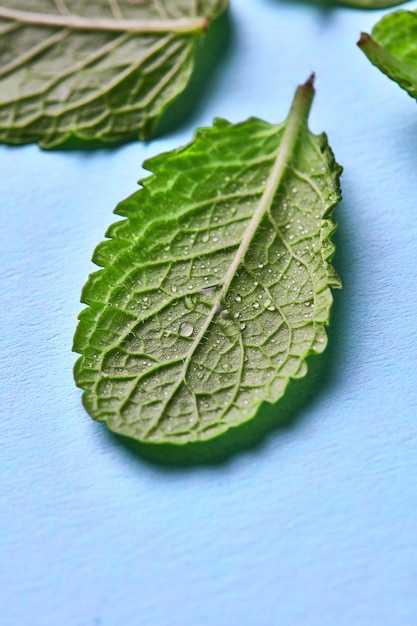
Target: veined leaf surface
column 216, row 286
column 393, row 48
column 103, row 70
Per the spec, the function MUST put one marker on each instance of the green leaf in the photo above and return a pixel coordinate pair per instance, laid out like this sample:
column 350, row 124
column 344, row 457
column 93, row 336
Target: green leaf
column 215, row 287
column 393, row 48
column 371, row 4
column 99, row 71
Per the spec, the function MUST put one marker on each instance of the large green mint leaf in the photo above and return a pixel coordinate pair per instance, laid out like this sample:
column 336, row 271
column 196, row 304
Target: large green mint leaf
column 102, row 71
column 393, row 48
column 215, row 287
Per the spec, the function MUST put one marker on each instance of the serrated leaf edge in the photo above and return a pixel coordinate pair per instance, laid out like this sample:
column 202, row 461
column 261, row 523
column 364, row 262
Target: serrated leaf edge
column 296, row 120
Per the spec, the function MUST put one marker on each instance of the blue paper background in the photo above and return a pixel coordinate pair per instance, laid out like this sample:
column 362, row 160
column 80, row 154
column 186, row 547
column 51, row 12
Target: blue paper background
column 315, row 524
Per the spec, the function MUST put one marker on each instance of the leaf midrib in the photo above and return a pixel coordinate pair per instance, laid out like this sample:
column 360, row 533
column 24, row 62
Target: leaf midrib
column 74, row 22
column 296, row 122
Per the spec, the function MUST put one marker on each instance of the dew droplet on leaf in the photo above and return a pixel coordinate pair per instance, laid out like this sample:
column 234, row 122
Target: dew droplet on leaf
column 186, row 329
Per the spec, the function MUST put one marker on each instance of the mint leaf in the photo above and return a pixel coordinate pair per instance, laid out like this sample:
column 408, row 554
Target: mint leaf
column 215, row 287
column 372, row 4
column 101, row 71
column 393, row 48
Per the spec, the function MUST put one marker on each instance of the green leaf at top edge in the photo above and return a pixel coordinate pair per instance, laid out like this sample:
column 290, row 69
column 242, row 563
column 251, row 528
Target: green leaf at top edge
column 371, row 4
column 95, row 72
column 216, row 286
column 392, row 48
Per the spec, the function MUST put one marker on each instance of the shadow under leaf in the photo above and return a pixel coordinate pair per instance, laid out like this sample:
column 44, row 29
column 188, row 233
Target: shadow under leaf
column 326, row 5
column 209, row 54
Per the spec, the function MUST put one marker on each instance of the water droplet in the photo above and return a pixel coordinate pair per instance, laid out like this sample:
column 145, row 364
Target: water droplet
column 255, row 305
column 260, row 265
column 205, row 238
column 268, row 305
column 174, row 289
column 238, row 297
column 224, row 313
column 186, row 329
column 227, row 367
column 294, row 189
column 190, row 287
column 145, row 298
column 291, row 237
column 215, row 239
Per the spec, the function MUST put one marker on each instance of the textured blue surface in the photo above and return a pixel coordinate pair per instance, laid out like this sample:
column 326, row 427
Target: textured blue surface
column 314, row 525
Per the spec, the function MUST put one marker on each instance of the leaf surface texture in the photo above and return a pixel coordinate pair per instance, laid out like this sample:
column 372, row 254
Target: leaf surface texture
column 216, row 285
column 393, row 48
column 102, row 71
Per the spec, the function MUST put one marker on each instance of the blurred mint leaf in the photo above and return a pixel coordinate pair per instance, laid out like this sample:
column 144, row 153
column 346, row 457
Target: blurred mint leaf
column 392, row 48
column 216, row 286
column 99, row 71
column 371, row 4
